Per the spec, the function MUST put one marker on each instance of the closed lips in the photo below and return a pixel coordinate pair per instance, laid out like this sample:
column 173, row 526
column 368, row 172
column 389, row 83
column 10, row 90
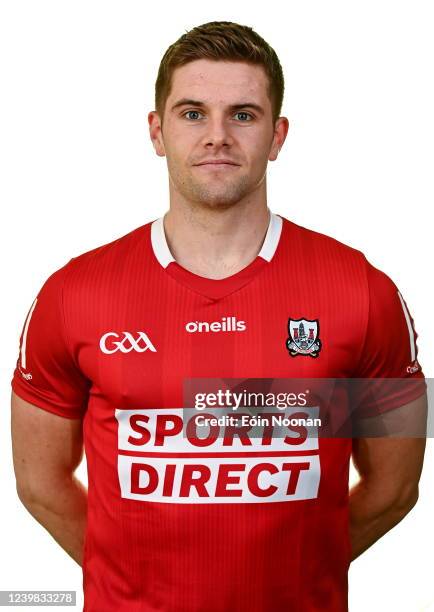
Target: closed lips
column 218, row 161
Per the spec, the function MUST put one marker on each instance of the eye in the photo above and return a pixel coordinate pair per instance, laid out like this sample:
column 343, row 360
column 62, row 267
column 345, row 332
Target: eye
column 192, row 111
column 244, row 113
column 195, row 112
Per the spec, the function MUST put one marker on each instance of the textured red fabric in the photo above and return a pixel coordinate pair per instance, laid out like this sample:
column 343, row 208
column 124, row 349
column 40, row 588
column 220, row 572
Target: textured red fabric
column 240, row 553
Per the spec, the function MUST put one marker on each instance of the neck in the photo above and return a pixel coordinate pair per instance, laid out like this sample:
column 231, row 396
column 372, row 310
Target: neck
column 216, row 243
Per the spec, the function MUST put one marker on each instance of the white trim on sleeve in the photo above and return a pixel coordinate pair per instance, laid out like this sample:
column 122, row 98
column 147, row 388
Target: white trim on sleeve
column 24, row 342
column 410, row 328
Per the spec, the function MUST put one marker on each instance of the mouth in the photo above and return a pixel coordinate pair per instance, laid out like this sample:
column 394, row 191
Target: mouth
column 217, row 165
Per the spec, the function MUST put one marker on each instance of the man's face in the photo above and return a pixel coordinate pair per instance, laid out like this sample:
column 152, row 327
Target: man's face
column 208, row 117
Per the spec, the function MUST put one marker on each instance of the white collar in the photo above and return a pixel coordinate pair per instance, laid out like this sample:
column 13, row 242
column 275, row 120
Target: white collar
column 165, row 257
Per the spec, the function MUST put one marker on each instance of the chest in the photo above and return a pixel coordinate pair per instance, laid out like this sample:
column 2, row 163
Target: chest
column 140, row 349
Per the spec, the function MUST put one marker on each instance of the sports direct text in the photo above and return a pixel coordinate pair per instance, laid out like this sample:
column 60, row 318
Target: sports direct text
column 166, row 456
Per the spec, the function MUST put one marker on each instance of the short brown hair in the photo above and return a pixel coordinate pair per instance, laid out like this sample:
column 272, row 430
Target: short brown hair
column 221, row 40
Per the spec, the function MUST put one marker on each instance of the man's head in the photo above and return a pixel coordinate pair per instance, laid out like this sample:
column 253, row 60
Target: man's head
column 218, row 95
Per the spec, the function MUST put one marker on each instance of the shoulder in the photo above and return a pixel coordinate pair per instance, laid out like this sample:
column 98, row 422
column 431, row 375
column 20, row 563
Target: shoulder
column 113, row 255
column 325, row 251
column 339, row 270
column 323, row 257
column 312, row 241
column 105, row 262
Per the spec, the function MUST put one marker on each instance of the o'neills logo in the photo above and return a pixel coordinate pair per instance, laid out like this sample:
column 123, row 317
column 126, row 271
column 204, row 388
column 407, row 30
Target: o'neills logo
column 165, row 456
column 227, row 324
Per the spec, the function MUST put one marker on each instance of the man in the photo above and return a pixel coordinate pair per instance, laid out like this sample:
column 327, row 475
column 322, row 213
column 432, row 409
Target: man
column 220, row 288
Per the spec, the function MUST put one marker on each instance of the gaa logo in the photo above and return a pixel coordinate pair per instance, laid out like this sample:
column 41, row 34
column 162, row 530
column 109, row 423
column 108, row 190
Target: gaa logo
column 126, row 344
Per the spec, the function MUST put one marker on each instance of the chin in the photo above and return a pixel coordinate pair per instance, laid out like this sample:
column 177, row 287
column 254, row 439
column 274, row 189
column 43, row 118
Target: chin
column 218, row 200
column 220, row 205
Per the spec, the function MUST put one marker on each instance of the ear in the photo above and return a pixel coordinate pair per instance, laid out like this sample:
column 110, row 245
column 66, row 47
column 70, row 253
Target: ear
column 156, row 134
column 280, row 133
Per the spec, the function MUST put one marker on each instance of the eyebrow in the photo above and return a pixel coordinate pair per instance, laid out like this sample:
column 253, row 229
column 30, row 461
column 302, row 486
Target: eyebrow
column 233, row 107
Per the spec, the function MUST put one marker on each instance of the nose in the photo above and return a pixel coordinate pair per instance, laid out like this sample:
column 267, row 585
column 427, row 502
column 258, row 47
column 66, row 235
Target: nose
column 218, row 133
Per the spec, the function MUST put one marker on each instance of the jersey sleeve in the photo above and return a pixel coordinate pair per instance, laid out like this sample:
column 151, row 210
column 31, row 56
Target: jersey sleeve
column 46, row 373
column 389, row 357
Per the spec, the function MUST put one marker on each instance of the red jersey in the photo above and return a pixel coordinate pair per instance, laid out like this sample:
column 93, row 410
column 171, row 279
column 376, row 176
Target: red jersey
column 227, row 523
